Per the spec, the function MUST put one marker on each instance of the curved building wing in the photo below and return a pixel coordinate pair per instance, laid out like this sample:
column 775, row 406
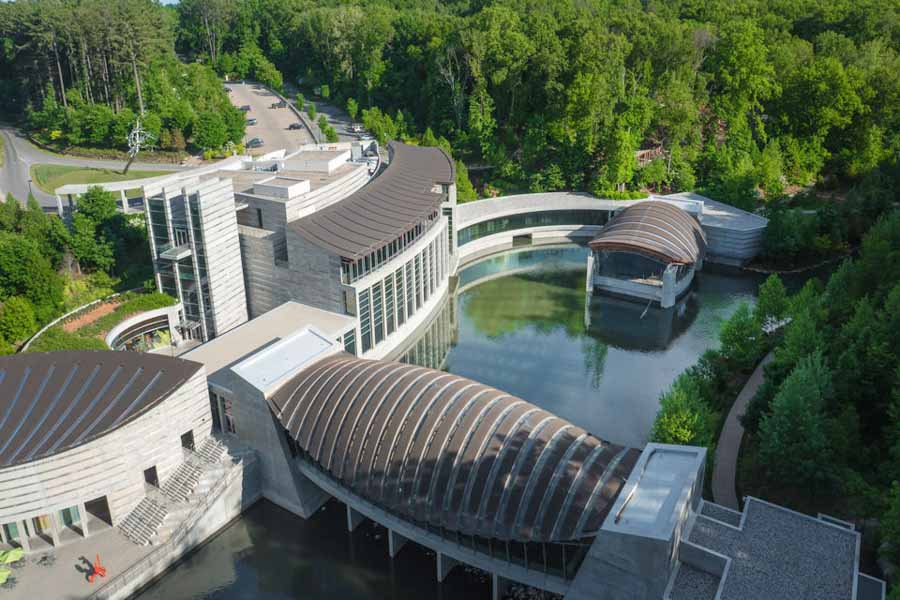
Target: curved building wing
column 654, row 229
column 395, row 201
column 447, row 451
column 50, row 402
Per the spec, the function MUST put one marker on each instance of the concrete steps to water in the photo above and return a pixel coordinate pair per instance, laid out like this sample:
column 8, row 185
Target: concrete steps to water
column 142, row 523
column 154, row 519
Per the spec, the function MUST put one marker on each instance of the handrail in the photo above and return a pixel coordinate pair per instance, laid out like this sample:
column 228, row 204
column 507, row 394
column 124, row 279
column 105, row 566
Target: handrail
column 163, row 551
column 73, row 312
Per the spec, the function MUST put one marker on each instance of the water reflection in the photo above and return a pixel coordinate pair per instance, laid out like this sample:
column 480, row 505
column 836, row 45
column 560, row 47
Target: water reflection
column 519, row 321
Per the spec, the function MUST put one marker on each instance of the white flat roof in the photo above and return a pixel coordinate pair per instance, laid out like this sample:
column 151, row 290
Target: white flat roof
column 268, row 368
column 277, row 324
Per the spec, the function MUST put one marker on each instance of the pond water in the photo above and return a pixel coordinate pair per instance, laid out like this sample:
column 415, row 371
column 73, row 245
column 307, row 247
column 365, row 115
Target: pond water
column 518, row 321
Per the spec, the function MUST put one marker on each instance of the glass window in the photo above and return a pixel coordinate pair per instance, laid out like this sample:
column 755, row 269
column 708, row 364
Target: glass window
column 410, row 289
column 365, row 321
column 377, row 313
column 534, row 219
column 350, row 342
column 389, row 304
column 401, row 303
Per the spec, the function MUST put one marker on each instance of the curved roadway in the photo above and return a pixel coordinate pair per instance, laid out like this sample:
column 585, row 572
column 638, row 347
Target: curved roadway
column 20, row 154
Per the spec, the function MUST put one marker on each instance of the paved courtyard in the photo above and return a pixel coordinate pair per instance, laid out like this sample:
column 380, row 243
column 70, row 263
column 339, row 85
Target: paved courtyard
column 67, row 578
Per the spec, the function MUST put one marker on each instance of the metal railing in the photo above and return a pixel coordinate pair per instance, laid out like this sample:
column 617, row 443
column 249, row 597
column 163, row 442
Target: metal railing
column 163, row 554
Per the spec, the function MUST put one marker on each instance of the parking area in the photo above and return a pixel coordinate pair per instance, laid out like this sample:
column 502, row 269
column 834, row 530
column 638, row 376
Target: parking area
column 272, row 124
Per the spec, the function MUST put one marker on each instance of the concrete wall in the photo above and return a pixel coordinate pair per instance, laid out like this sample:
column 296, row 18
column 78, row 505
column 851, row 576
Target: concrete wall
column 730, row 246
column 111, row 466
column 315, row 275
column 261, row 279
column 258, row 428
column 241, row 492
column 225, row 273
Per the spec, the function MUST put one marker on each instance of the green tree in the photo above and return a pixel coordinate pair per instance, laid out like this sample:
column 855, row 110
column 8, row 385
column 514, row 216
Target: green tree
column 17, row 320
column 25, row 271
column 352, row 108
column 890, row 524
column 796, row 428
column 91, row 248
column 683, row 417
column 741, row 339
column 98, row 205
column 465, row 191
column 210, row 131
column 772, row 302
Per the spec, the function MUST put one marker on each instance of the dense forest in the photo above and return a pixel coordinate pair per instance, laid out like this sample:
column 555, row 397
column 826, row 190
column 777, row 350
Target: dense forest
column 80, row 73
column 747, row 99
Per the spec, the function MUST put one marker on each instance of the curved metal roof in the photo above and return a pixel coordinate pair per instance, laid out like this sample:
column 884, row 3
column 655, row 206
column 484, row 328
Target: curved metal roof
column 51, row 402
column 384, row 209
column 442, row 449
column 654, row 229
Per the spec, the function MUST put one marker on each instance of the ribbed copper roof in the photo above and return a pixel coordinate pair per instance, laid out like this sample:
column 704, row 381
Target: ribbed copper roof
column 442, row 449
column 51, row 402
column 390, row 205
column 654, row 229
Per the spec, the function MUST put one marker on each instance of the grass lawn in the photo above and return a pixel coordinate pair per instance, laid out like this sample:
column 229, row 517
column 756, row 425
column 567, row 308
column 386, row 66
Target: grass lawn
column 49, row 177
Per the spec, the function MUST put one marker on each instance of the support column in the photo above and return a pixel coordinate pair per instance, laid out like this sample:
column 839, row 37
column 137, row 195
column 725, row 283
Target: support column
column 395, row 543
column 124, row 201
column 3, row 539
column 354, row 518
column 667, row 299
column 54, row 528
column 83, row 516
column 444, row 565
column 23, row 535
column 499, row 586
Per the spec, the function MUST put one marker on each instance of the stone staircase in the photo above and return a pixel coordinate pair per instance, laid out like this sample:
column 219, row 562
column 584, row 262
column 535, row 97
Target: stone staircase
column 160, row 512
column 142, row 522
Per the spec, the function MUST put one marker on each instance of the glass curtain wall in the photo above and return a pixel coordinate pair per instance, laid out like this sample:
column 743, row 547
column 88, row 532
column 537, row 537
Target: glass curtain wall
column 534, row 219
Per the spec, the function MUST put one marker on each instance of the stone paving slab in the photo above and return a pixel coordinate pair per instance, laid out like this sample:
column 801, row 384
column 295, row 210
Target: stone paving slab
column 693, row 584
column 66, row 579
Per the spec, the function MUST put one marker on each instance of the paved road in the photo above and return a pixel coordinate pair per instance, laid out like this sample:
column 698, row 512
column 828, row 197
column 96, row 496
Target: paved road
column 20, row 155
column 272, row 123
column 729, row 446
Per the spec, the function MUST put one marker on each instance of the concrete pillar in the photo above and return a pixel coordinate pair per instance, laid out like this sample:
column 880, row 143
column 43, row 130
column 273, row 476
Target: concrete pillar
column 83, row 514
column 668, row 288
column 23, row 535
column 59, row 206
column 354, row 518
column 55, row 528
column 395, row 543
column 124, row 201
column 3, row 539
column 499, row 586
column 444, row 565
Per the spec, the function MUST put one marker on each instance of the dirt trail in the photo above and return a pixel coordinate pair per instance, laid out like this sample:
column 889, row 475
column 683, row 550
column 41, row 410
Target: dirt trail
column 86, row 318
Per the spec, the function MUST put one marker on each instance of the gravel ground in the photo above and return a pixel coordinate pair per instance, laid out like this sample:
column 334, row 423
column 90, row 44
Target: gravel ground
column 720, row 513
column 694, row 584
column 782, row 556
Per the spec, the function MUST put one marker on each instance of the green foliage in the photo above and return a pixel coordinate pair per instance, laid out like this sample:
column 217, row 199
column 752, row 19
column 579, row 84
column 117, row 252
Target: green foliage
column 352, row 108
column 210, row 131
column 26, row 271
column 465, row 191
column 311, row 110
column 17, row 320
column 890, row 524
column 772, row 302
column 616, row 195
column 57, row 339
column 684, row 417
column 741, row 339
column 794, row 446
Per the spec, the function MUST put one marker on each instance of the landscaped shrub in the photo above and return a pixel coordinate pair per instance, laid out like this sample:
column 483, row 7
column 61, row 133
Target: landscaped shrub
column 56, row 339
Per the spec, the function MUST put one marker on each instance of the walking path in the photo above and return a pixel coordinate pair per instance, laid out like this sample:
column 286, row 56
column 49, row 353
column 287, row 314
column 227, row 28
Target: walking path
column 729, row 446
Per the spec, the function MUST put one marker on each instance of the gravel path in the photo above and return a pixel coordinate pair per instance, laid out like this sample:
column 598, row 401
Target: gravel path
column 729, row 445
column 693, row 584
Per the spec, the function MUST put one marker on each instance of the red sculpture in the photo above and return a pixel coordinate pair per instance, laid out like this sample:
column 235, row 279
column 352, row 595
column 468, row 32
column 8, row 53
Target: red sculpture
column 98, row 569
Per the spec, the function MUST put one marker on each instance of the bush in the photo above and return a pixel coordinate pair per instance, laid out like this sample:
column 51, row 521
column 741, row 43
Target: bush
column 741, row 339
column 616, row 195
column 311, row 110
column 684, row 417
column 17, row 320
column 56, row 339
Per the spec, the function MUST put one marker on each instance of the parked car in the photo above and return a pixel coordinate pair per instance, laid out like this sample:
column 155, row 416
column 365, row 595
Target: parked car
column 280, row 104
column 356, row 128
column 255, row 143
column 227, row 89
column 295, row 126
column 251, row 122
column 245, row 108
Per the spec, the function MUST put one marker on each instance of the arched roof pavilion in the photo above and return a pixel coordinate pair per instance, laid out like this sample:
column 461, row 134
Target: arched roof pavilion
column 654, row 229
column 453, row 453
